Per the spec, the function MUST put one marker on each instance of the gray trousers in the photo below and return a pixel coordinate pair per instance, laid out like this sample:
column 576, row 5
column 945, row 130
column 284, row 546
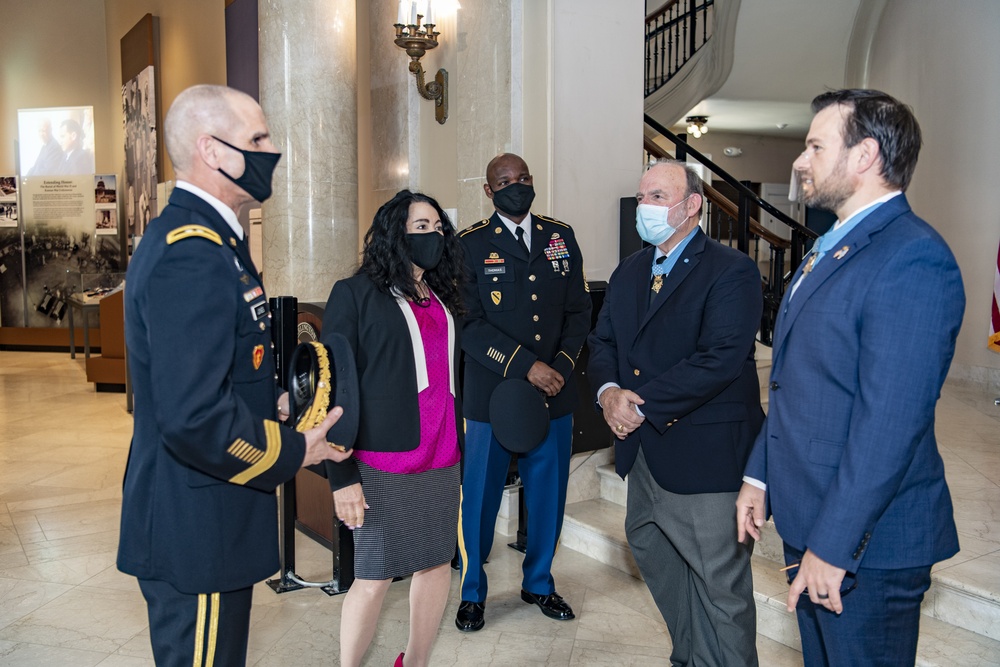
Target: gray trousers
column 699, row 575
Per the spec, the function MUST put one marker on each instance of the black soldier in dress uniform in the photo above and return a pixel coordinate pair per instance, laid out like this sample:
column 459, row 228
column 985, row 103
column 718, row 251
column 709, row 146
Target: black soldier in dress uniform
column 199, row 517
column 529, row 314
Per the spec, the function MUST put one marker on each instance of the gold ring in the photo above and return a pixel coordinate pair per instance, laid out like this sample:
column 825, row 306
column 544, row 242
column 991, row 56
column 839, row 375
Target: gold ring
column 620, row 428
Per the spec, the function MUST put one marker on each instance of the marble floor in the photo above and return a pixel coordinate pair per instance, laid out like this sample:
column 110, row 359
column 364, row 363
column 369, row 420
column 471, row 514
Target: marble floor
column 62, row 602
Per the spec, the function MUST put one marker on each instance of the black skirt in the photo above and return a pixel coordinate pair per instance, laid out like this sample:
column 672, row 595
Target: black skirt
column 411, row 523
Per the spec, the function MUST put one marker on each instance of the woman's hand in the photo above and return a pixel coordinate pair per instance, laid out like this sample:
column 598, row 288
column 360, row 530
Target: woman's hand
column 349, row 503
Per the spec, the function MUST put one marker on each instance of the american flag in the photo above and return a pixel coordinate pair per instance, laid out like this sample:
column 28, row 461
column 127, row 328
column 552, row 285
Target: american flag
column 994, row 340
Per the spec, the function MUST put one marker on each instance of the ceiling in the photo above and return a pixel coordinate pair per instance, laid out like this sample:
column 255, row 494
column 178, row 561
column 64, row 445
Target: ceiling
column 785, row 53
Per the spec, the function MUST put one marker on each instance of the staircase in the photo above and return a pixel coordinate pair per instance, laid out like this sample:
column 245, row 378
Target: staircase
column 960, row 624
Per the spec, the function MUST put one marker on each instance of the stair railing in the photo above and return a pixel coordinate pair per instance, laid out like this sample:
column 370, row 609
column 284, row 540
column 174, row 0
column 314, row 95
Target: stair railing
column 674, row 33
column 732, row 223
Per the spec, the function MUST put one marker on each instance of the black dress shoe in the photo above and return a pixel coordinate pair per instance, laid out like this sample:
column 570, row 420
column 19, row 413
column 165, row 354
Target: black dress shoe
column 552, row 605
column 470, row 616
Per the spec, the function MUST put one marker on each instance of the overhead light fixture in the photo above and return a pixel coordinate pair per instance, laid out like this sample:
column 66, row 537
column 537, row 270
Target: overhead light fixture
column 697, row 125
column 416, row 40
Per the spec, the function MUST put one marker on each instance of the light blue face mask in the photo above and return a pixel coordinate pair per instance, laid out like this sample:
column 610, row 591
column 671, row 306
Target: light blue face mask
column 652, row 222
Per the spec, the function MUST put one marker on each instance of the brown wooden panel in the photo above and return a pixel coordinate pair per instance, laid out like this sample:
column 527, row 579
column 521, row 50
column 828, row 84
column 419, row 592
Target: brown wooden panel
column 56, row 338
column 140, row 48
column 314, row 503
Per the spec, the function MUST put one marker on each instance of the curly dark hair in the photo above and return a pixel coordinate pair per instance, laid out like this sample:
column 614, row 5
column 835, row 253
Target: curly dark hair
column 386, row 255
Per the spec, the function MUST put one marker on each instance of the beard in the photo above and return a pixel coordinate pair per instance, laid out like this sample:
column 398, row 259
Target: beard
column 831, row 192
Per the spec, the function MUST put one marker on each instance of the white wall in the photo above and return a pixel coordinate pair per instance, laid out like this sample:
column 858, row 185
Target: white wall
column 941, row 58
column 55, row 57
column 597, row 58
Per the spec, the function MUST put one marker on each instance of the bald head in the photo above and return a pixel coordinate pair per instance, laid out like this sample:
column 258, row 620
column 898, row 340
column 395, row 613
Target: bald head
column 200, row 110
column 504, row 164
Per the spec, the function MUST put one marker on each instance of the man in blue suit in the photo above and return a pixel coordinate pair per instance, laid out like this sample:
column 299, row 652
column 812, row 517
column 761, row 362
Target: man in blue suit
column 673, row 359
column 862, row 345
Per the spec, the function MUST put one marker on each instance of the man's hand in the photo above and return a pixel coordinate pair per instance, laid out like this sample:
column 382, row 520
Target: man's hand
column 317, row 448
column 349, row 503
column 823, row 581
column 545, row 378
column 749, row 512
column 283, row 413
column 619, row 410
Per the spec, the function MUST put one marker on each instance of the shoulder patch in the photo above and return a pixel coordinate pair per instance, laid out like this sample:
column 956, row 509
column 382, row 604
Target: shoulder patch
column 552, row 220
column 192, row 231
column 478, row 225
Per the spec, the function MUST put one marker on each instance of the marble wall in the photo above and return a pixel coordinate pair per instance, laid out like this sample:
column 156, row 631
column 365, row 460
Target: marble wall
column 393, row 113
column 481, row 104
column 308, row 91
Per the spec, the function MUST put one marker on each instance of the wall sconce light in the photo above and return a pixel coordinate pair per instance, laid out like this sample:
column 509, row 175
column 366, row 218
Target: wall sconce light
column 416, row 40
column 697, row 125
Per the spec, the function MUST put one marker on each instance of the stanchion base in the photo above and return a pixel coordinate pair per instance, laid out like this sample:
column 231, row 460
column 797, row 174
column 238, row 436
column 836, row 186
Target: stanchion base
column 518, row 546
column 283, row 584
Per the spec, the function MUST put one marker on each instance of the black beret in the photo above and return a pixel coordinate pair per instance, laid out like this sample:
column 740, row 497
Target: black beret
column 321, row 376
column 519, row 416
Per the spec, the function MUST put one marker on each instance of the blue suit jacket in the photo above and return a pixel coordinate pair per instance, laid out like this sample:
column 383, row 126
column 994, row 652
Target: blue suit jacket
column 690, row 356
column 198, row 503
column 860, row 353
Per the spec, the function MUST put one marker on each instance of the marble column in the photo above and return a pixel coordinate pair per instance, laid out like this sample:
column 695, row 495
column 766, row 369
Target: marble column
column 308, row 90
column 484, row 110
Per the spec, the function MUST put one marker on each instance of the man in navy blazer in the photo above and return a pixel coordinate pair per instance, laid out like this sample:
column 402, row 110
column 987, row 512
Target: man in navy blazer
column 862, row 345
column 673, row 359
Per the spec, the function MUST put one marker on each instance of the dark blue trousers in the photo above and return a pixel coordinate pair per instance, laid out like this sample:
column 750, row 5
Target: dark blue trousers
column 197, row 629
column 878, row 627
column 544, row 472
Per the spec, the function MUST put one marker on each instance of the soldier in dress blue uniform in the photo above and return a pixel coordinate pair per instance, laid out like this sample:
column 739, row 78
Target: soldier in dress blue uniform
column 199, row 522
column 529, row 314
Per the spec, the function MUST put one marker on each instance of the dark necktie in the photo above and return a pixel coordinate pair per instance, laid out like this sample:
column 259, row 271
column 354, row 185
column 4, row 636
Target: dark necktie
column 519, row 233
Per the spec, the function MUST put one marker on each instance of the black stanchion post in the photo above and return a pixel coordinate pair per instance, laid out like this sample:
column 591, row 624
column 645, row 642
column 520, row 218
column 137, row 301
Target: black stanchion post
column 284, row 326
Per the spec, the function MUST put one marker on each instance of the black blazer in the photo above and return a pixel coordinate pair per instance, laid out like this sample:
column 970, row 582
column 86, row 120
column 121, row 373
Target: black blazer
column 690, row 356
column 385, row 340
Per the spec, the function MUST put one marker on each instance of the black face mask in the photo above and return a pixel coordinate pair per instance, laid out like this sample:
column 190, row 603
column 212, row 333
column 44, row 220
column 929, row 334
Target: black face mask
column 426, row 249
column 257, row 171
column 514, row 199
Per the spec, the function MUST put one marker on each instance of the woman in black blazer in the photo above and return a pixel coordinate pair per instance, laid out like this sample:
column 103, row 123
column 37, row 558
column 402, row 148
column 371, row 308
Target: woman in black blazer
column 399, row 491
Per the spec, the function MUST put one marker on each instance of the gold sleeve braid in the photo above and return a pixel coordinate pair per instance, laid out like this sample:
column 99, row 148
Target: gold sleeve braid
column 272, row 433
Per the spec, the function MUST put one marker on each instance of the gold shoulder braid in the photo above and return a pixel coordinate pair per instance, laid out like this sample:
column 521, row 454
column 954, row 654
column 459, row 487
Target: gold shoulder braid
column 191, row 231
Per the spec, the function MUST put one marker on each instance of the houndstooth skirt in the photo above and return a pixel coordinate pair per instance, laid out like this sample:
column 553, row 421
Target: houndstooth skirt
column 411, row 523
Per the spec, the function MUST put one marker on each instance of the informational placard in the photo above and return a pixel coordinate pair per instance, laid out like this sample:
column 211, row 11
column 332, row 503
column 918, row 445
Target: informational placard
column 106, row 204
column 57, row 194
column 139, row 110
column 8, row 201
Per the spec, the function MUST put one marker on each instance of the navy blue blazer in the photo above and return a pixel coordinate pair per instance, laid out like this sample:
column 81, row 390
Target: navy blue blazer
column 198, row 503
column 690, row 356
column 860, row 354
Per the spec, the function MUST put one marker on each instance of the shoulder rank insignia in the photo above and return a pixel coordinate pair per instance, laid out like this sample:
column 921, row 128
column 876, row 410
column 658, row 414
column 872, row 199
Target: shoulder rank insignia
column 478, row 225
column 191, row 231
column 552, row 220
